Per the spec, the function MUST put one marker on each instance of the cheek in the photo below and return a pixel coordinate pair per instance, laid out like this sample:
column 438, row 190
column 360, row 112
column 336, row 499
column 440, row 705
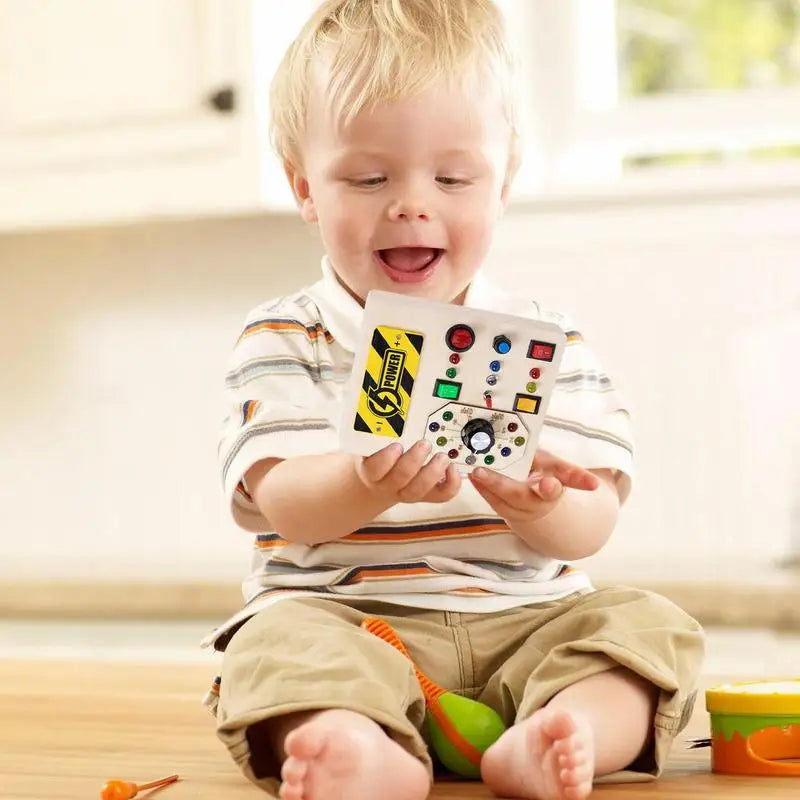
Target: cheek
column 473, row 230
column 342, row 227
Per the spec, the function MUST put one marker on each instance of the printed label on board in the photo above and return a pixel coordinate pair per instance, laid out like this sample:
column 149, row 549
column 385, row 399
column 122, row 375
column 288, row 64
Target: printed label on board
column 389, row 375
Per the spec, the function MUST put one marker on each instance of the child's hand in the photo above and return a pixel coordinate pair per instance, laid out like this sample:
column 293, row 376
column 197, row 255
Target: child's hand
column 523, row 502
column 405, row 478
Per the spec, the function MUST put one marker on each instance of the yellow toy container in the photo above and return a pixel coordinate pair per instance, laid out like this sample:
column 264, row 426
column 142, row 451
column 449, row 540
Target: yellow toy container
column 755, row 728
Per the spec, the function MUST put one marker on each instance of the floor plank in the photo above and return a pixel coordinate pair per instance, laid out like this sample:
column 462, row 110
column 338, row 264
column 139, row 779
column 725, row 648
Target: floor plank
column 67, row 727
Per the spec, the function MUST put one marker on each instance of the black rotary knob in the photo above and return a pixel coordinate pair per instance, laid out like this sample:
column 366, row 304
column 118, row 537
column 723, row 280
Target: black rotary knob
column 478, row 435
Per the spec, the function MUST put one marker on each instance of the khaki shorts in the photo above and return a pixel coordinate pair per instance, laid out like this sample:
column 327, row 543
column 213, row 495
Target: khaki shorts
column 310, row 653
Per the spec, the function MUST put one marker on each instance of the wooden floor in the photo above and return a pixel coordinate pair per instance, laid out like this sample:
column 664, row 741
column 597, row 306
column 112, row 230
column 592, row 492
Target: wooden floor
column 66, row 728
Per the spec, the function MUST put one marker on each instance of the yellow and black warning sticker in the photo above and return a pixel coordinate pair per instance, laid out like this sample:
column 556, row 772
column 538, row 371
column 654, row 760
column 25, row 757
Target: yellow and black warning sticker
column 389, row 375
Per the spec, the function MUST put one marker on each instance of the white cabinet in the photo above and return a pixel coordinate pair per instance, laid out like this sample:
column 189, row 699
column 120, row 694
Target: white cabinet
column 133, row 109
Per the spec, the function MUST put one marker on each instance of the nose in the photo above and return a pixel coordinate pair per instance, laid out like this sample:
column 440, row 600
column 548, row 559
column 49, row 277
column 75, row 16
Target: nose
column 410, row 206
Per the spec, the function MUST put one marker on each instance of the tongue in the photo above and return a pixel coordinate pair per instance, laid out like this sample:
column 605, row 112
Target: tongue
column 408, row 259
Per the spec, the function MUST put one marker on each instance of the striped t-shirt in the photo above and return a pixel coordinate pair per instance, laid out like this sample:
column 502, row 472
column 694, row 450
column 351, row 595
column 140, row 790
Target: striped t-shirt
column 284, row 391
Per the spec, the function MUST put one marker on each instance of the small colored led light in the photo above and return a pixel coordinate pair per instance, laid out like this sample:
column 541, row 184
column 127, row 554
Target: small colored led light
column 452, row 372
column 488, row 460
column 491, row 379
column 512, row 426
column 455, row 358
column 495, row 366
column 519, row 441
column 453, row 453
column 434, row 426
column 536, row 373
column 506, row 451
column 441, row 441
column 447, row 416
column 531, row 387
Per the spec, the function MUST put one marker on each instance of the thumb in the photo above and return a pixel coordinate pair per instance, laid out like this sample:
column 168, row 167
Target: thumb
column 547, row 488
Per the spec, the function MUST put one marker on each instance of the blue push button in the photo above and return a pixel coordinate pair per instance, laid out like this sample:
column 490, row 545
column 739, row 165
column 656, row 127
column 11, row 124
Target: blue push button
column 501, row 344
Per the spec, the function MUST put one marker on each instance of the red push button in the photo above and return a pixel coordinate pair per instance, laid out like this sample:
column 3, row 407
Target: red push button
column 460, row 338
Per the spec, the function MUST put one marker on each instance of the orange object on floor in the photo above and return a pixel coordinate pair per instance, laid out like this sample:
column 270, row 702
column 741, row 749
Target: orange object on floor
column 125, row 790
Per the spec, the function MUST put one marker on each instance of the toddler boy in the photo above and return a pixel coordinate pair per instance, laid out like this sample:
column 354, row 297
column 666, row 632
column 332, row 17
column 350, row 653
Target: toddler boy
column 396, row 124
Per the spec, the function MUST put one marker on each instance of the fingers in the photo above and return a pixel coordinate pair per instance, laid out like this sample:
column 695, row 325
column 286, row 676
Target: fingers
column 447, row 489
column 547, row 488
column 407, row 466
column 409, row 479
column 516, row 495
column 391, row 470
column 495, row 501
column 377, row 466
column 568, row 474
column 424, row 480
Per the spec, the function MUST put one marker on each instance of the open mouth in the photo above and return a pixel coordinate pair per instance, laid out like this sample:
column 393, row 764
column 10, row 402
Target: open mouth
column 409, row 264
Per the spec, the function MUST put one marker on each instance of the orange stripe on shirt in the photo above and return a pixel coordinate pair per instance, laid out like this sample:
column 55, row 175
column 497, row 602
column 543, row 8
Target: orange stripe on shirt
column 436, row 533
column 372, row 574
column 287, row 325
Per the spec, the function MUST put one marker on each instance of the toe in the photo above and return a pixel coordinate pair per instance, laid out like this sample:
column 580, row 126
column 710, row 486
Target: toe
column 569, row 777
column 571, row 760
column 579, row 792
column 304, row 743
column 568, row 751
column 566, row 746
column 289, row 791
column 294, row 770
column 558, row 725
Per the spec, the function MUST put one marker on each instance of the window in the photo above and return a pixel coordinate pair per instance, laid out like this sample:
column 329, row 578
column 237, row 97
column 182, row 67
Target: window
column 618, row 91
column 747, row 47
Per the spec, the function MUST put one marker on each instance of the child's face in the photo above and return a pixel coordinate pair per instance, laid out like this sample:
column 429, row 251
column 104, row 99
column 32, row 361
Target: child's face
column 407, row 196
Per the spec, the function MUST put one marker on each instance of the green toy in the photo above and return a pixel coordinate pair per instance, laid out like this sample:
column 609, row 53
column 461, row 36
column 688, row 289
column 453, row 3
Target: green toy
column 460, row 729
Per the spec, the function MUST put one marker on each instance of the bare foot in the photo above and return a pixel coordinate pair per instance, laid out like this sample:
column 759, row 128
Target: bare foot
column 341, row 755
column 549, row 756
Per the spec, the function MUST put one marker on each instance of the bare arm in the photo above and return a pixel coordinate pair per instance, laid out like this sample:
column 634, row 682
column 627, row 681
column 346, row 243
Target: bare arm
column 321, row 498
column 579, row 523
column 563, row 511
column 302, row 497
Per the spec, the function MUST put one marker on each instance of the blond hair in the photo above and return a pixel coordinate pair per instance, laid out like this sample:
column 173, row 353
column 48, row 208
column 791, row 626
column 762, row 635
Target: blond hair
column 383, row 50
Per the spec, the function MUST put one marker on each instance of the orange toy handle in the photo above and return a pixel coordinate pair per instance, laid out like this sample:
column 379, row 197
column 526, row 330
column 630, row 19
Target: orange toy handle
column 432, row 692
column 383, row 630
column 125, row 790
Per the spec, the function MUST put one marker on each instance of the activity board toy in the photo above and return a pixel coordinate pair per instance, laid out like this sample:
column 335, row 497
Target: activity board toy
column 755, row 728
column 475, row 384
column 460, row 729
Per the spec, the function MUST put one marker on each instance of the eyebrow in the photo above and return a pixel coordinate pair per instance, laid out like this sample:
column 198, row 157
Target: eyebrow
column 345, row 155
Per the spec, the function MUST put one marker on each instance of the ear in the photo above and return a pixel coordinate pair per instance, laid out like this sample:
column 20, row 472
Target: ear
column 302, row 192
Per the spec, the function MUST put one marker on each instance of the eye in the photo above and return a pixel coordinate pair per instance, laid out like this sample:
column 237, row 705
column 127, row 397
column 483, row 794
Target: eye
column 368, row 183
column 445, row 180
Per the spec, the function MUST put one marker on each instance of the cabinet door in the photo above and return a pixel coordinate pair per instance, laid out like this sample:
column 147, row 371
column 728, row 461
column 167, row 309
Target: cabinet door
column 124, row 109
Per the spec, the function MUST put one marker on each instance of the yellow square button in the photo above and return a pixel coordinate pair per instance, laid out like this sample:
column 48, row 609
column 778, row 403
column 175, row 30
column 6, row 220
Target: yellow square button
column 529, row 403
